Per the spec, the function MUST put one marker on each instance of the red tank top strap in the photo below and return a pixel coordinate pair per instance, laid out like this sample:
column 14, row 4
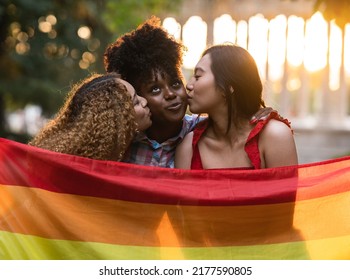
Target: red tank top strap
column 252, row 144
column 196, row 162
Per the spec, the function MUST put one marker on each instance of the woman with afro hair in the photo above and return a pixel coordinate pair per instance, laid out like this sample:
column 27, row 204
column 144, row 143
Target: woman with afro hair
column 98, row 120
column 150, row 59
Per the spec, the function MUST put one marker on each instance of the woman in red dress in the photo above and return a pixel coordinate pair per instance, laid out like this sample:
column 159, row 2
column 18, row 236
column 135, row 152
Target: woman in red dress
column 226, row 85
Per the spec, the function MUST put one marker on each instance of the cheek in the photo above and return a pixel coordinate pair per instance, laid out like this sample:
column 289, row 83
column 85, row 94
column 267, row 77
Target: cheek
column 205, row 90
column 182, row 94
column 155, row 108
column 139, row 113
column 154, row 104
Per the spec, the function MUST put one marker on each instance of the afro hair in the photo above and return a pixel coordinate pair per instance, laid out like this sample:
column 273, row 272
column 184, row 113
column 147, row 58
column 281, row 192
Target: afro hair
column 138, row 55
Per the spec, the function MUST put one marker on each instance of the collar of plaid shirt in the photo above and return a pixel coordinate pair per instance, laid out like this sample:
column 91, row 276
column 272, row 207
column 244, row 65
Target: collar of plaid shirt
column 145, row 151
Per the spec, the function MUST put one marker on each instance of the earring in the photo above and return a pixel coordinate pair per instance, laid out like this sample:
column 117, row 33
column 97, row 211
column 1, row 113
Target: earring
column 232, row 90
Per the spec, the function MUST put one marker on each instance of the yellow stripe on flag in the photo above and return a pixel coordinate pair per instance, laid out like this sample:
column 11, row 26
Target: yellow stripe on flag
column 21, row 247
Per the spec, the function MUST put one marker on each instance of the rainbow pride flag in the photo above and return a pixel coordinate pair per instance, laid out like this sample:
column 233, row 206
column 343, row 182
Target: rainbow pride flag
column 57, row 206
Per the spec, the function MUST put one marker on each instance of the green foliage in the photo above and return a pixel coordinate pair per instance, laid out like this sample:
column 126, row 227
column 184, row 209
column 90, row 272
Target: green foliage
column 123, row 15
column 38, row 66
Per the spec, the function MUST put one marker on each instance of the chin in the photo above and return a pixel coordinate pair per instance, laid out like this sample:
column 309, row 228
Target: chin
column 194, row 111
column 178, row 116
column 176, row 119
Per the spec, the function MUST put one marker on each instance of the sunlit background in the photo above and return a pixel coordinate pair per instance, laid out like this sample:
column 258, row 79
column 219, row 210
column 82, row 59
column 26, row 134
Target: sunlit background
column 303, row 59
column 304, row 65
column 292, row 54
column 275, row 44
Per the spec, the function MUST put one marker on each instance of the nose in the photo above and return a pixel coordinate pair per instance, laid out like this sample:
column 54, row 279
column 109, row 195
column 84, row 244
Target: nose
column 143, row 101
column 169, row 94
column 189, row 85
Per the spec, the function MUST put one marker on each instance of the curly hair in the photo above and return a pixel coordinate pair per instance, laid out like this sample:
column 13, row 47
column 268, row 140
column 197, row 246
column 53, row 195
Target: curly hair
column 138, row 55
column 96, row 121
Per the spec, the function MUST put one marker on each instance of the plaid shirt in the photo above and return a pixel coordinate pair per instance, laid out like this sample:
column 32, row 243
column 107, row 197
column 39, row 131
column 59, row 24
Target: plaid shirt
column 145, row 151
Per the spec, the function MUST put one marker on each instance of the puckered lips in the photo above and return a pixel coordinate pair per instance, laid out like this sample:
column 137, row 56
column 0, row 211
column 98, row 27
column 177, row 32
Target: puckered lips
column 175, row 106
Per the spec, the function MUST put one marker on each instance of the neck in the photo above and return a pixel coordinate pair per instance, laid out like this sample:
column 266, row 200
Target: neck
column 218, row 129
column 218, row 126
column 162, row 132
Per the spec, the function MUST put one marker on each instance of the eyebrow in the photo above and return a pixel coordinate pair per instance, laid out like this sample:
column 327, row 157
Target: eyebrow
column 198, row 69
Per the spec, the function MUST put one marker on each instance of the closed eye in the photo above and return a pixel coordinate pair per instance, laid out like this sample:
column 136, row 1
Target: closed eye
column 135, row 100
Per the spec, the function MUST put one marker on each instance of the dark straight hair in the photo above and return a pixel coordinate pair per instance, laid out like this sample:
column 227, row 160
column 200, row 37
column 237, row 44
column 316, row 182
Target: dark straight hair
column 237, row 76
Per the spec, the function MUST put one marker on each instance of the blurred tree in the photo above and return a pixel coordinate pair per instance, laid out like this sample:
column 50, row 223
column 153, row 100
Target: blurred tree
column 120, row 16
column 45, row 45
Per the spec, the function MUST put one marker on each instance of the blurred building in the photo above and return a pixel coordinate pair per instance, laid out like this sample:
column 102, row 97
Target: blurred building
column 303, row 60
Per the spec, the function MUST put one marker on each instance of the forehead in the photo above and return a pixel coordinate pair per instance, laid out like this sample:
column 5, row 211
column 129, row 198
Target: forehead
column 154, row 78
column 204, row 63
column 128, row 86
column 158, row 74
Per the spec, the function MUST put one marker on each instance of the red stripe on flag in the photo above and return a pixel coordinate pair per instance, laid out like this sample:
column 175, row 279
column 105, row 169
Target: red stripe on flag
column 23, row 165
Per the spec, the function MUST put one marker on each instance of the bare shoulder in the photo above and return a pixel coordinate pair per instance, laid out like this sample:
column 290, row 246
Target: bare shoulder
column 277, row 129
column 187, row 141
column 277, row 145
column 183, row 155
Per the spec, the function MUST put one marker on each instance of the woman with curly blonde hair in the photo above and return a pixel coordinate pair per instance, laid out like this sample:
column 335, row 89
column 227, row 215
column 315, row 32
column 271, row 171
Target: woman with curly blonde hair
column 100, row 117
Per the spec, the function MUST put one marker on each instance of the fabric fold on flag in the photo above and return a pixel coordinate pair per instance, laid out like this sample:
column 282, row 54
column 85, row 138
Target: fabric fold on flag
column 58, row 206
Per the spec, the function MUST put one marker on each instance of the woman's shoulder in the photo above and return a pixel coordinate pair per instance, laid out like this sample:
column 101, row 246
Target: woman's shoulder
column 276, row 133
column 276, row 127
column 277, row 145
column 183, row 154
column 187, row 139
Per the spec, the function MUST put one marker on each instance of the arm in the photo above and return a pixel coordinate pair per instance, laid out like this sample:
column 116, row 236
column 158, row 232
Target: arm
column 277, row 146
column 183, row 155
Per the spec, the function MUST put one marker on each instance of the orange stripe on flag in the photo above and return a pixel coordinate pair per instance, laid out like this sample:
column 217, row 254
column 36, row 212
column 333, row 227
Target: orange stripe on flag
column 70, row 217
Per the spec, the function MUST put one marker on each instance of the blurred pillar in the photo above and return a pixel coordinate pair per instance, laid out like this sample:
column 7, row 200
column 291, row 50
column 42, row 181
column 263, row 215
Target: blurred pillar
column 209, row 18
